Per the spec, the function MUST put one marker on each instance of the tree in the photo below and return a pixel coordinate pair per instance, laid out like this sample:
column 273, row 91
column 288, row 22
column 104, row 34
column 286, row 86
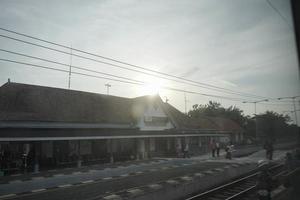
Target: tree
column 215, row 109
column 271, row 125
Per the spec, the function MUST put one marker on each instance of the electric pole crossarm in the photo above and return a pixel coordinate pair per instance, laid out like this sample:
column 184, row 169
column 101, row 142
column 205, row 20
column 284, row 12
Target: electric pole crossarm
column 294, row 106
column 107, row 88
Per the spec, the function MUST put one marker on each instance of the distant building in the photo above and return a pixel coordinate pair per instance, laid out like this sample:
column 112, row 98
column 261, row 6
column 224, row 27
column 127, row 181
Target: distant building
column 53, row 127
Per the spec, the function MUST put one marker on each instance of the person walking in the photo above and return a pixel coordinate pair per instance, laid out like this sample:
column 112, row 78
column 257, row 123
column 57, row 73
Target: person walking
column 268, row 146
column 229, row 150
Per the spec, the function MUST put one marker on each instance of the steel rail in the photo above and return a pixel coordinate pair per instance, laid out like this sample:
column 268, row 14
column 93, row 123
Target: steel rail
column 230, row 185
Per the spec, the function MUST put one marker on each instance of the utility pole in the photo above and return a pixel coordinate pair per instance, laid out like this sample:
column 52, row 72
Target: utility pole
column 185, row 102
column 294, row 106
column 166, row 99
column 70, row 69
column 107, row 85
column 255, row 102
column 289, row 111
column 295, row 110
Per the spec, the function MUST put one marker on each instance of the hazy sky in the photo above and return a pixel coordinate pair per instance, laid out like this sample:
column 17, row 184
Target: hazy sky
column 240, row 45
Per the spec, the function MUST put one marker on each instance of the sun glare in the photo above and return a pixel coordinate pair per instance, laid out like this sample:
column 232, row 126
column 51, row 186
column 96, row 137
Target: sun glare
column 152, row 86
column 151, row 89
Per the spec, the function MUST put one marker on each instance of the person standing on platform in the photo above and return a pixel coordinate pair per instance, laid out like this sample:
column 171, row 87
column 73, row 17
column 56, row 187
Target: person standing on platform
column 268, row 146
column 229, row 150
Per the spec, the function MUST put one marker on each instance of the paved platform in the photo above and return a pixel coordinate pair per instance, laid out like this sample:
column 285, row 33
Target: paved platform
column 73, row 170
column 83, row 169
column 136, row 178
column 101, row 182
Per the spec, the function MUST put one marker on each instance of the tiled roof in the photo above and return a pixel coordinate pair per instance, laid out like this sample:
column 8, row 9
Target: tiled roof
column 37, row 103
column 184, row 122
column 22, row 102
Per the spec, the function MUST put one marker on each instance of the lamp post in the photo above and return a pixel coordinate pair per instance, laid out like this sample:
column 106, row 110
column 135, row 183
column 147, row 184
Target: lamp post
column 255, row 102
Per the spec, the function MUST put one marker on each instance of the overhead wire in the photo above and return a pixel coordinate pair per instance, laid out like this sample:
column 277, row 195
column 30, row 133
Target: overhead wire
column 63, row 64
column 88, row 70
column 212, row 87
column 277, row 104
column 279, row 13
column 129, row 81
column 67, row 53
column 63, row 70
column 114, row 65
column 126, row 80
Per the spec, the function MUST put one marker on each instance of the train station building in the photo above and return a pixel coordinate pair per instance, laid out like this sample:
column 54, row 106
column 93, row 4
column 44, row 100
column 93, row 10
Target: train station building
column 54, row 127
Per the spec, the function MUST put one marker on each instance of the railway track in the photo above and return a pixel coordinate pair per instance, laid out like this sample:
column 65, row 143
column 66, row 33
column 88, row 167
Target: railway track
column 242, row 188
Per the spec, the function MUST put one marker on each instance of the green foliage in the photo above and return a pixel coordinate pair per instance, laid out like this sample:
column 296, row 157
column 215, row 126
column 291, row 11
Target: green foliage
column 269, row 124
column 215, row 109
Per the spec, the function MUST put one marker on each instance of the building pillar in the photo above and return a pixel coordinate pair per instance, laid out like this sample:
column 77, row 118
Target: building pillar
column 37, row 152
column 143, row 149
column 26, row 149
column 137, row 149
column 178, row 146
column 242, row 136
column 146, row 148
column 79, row 161
column 168, row 144
column 140, row 149
column 111, row 157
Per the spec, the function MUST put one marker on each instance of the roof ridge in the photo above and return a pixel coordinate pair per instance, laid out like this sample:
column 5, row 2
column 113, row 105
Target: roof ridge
column 11, row 84
column 170, row 115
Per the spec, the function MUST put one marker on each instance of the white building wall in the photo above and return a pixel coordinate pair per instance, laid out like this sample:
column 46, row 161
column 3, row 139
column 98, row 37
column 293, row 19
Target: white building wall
column 150, row 112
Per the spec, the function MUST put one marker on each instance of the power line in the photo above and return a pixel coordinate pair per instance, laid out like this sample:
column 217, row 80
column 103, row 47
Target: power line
column 276, row 104
column 118, row 80
column 81, row 68
column 121, row 62
column 114, row 65
column 98, row 72
column 49, row 48
column 279, row 13
column 291, row 111
column 66, row 71
column 63, row 64
column 67, row 53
